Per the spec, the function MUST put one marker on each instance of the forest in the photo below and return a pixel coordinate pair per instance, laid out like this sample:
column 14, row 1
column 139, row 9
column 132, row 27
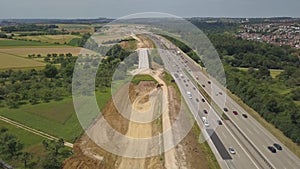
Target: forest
column 275, row 99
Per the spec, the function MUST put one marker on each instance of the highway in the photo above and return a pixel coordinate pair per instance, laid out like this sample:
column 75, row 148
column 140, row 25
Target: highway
column 246, row 135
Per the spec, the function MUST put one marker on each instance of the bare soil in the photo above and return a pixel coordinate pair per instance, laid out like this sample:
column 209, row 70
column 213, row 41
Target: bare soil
column 90, row 156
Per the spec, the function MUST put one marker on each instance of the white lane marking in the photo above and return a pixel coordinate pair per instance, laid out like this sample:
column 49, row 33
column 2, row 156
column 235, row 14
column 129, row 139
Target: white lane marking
column 249, row 131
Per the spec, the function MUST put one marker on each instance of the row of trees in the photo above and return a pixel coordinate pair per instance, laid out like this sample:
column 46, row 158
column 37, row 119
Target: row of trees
column 27, row 28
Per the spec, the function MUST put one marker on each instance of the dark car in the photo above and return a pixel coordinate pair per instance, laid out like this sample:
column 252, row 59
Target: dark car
column 277, row 146
column 186, row 85
column 225, row 109
column 205, row 111
column 235, row 112
column 203, row 100
column 219, row 122
column 197, row 100
column 245, row 115
column 194, row 88
column 272, row 149
column 203, row 85
column 208, row 82
column 220, row 93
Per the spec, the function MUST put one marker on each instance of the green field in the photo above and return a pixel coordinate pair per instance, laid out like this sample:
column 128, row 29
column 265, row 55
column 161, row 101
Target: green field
column 56, row 118
column 273, row 72
column 58, row 39
column 32, row 143
column 27, row 138
column 16, row 43
column 138, row 78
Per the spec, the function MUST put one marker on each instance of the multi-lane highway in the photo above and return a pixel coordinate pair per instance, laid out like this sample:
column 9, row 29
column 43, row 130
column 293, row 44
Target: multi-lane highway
column 246, row 135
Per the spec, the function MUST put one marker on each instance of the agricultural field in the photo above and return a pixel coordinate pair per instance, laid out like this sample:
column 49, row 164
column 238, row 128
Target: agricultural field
column 10, row 61
column 14, row 53
column 54, row 39
column 25, row 51
column 17, row 43
column 63, row 124
column 57, row 118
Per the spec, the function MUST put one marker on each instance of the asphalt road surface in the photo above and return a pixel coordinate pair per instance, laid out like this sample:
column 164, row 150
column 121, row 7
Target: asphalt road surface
column 246, row 135
column 143, row 58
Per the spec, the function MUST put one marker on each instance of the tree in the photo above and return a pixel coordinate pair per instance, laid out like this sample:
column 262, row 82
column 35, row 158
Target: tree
column 50, row 71
column 25, row 157
column 54, row 146
column 51, row 162
column 10, row 145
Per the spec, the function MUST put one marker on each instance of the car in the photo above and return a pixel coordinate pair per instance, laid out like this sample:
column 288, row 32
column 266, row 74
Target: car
column 225, row 109
column 205, row 111
column 278, row 147
column 235, row 112
column 203, row 100
column 203, row 119
column 194, row 88
column 231, row 150
column 188, row 80
column 220, row 93
column 272, row 149
column 206, row 123
column 197, row 100
column 219, row 122
column 245, row 115
column 203, row 85
column 184, row 81
column 186, row 85
column 208, row 82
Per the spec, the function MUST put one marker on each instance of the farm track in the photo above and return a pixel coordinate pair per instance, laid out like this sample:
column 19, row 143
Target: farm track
column 34, row 131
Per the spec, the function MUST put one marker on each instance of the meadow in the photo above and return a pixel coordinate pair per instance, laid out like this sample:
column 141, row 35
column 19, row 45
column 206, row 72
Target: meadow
column 16, row 43
column 52, row 39
column 57, row 118
column 273, row 72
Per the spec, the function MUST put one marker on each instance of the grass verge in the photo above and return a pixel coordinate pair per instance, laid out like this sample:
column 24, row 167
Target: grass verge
column 210, row 157
column 138, row 78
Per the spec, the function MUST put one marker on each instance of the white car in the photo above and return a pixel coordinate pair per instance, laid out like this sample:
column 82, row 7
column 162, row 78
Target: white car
column 206, row 124
column 231, row 150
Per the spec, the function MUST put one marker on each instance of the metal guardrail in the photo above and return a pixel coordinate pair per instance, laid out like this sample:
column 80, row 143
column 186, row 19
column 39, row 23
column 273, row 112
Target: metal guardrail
column 246, row 138
column 207, row 97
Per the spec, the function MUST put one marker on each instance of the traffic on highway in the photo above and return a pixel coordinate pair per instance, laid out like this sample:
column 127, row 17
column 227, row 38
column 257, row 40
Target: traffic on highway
column 238, row 141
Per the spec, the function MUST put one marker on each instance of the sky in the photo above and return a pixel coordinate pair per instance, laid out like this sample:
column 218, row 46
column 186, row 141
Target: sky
column 118, row 8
